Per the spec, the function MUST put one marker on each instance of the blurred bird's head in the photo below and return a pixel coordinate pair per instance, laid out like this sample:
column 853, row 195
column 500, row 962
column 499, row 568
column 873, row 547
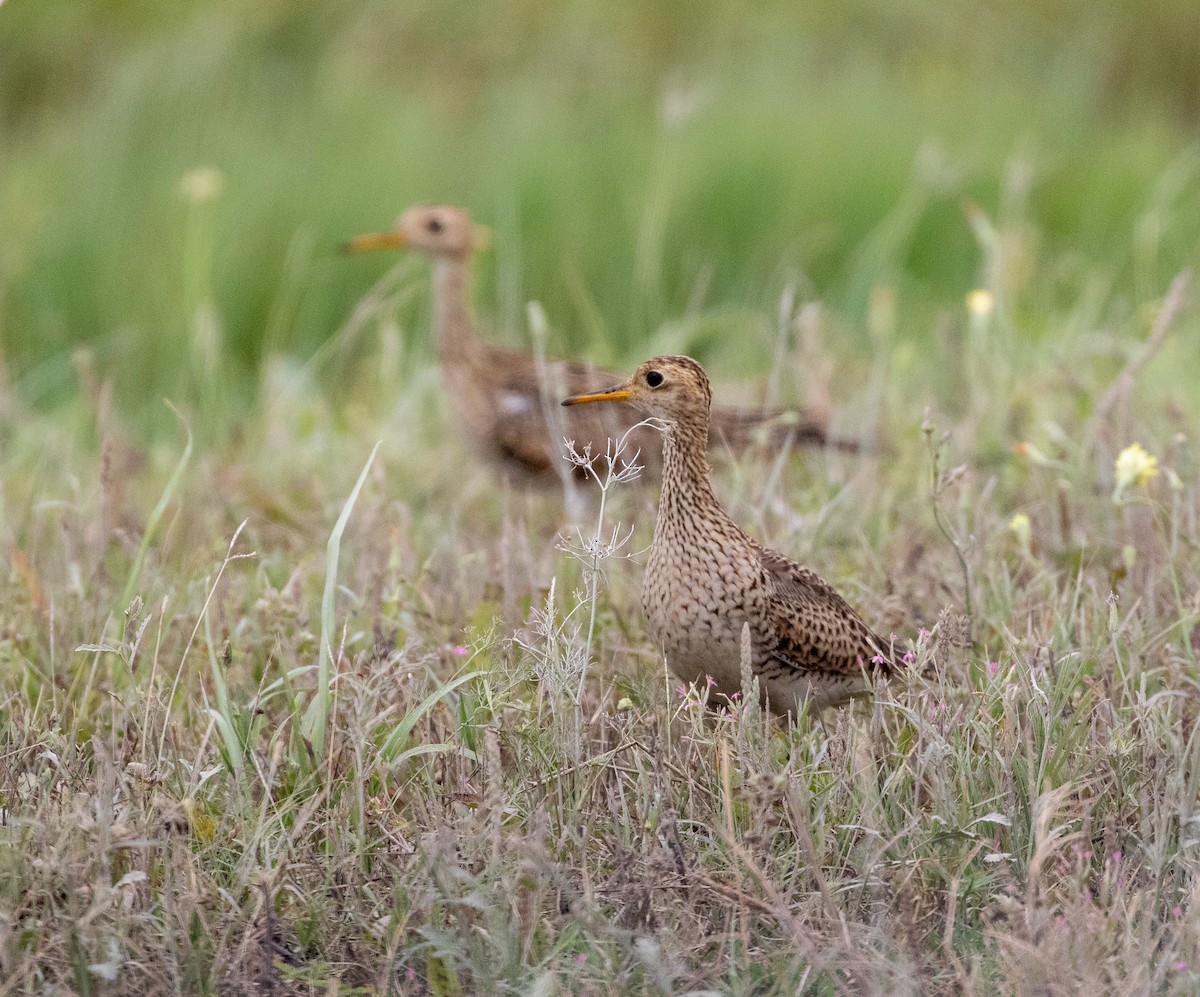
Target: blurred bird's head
column 439, row 230
column 674, row 389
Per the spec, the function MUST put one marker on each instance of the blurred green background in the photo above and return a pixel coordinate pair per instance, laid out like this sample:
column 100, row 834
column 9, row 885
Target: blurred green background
column 639, row 162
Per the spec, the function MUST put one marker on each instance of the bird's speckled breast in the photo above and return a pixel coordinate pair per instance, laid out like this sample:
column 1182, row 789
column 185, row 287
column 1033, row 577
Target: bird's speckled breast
column 696, row 598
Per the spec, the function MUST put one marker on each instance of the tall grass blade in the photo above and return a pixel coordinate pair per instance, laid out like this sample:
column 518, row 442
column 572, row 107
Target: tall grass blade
column 231, row 746
column 317, row 717
column 156, row 515
column 400, row 735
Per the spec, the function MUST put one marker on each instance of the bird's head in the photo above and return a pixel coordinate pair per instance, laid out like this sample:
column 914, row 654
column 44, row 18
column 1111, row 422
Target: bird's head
column 673, row 389
column 436, row 231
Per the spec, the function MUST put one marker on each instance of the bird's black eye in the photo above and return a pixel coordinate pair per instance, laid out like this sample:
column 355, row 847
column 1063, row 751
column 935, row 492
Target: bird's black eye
column 434, row 225
column 654, row 378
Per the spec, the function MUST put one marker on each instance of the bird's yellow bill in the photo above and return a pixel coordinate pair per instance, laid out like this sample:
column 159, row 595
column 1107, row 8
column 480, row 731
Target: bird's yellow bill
column 615, row 395
column 376, row 240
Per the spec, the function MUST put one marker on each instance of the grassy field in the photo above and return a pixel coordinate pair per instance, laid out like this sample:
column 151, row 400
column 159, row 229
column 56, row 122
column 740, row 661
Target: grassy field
column 281, row 713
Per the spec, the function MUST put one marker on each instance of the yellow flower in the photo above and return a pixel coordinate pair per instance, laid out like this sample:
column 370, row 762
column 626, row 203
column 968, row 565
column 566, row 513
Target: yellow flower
column 199, row 823
column 980, row 302
column 1022, row 528
column 1134, row 467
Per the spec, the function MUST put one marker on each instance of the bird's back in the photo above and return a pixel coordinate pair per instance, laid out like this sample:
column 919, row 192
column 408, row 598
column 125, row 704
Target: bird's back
column 513, row 417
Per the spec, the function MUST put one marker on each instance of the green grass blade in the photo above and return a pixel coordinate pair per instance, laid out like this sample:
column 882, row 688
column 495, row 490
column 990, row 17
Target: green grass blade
column 400, row 735
column 223, row 714
column 230, row 745
column 317, row 717
column 156, row 515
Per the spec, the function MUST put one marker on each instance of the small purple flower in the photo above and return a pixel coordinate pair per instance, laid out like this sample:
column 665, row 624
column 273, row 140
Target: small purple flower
column 682, row 690
column 1177, row 911
column 879, row 659
column 1179, row 966
column 1116, row 856
column 461, row 651
column 909, row 657
column 711, row 681
column 922, row 634
column 993, row 666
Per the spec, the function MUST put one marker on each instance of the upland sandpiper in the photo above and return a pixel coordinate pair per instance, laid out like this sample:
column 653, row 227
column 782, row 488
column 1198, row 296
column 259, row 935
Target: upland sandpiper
column 503, row 397
column 705, row 578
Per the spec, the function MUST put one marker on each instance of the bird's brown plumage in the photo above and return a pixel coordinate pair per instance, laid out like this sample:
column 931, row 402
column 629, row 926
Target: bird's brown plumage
column 503, row 398
column 706, row 578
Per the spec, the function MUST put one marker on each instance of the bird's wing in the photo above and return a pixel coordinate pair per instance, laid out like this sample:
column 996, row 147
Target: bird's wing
column 558, row 378
column 519, row 432
column 529, row 425
column 817, row 628
column 527, row 404
column 739, row 427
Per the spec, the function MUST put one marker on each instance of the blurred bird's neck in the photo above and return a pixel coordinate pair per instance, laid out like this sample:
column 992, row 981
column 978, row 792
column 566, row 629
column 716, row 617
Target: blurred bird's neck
column 454, row 333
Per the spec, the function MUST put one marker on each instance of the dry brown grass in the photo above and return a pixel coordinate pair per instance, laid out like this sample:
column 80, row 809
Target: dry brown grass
column 1023, row 821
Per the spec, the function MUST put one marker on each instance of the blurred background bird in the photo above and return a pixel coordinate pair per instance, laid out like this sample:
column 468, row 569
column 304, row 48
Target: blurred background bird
column 505, row 400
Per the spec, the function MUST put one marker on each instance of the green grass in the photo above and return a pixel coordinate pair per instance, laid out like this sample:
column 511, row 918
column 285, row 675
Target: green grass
column 277, row 715
column 831, row 147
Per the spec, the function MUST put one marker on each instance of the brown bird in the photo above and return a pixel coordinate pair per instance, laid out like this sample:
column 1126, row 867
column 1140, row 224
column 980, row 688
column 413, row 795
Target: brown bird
column 501, row 395
column 706, row 578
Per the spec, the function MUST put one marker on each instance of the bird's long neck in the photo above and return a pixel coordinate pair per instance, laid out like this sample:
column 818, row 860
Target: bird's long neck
column 454, row 334
column 687, row 490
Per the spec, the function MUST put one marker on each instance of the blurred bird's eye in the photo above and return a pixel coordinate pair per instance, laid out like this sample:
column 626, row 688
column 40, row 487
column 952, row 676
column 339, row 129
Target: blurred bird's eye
column 654, row 378
column 434, row 225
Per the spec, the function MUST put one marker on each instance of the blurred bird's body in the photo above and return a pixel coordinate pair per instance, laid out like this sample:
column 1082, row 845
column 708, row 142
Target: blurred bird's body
column 505, row 400
column 706, row 579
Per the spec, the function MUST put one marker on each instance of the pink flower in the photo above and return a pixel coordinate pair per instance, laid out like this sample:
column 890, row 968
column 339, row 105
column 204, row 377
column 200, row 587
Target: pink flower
column 461, row 651
column 909, row 657
column 879, row 659
column 922, row 634
column 711, row 681
column 1116, row 856
column 682, row 690
column 993, row 666
column 1177, row 911
column 1180, row 966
